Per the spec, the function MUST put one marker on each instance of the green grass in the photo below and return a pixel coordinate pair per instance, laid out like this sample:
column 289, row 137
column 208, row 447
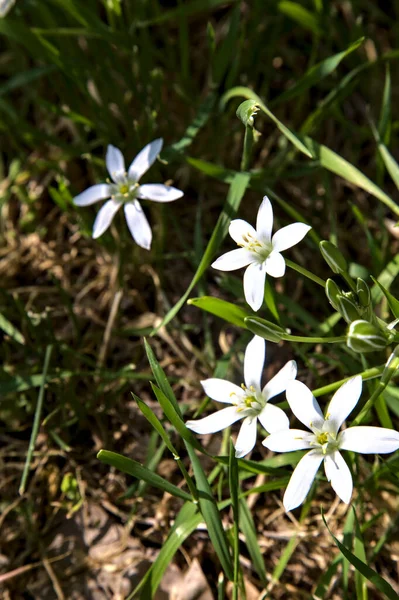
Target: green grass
column 78, row 75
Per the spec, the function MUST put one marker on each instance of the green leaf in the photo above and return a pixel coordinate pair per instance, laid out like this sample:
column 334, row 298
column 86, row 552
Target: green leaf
column 234, row 486
column 301, row 15
column 247, row 527
column 392, row 301
column 11, row 330
column 390, row 163
column 226, row 310
column 386, row 277
column 381, row 584
column 185, row 524
column 210, row 513
column 333, row 257
column 132, row 467
column 156, row 423
column 161, row 378
column 175, row 418
column 234, row 197
column 317, row 73
column 269, row 331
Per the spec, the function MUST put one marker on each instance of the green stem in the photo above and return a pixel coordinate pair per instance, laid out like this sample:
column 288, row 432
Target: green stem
column 305, row 272
column 36, row 421
column 247, row 150
column 331, row 387
column 313, row 340
column 389, row 370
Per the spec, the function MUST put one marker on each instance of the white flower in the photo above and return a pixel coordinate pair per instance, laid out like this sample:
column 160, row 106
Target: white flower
column 248, row 402
column 325, row 442
column 125, row 189
column 260, row 251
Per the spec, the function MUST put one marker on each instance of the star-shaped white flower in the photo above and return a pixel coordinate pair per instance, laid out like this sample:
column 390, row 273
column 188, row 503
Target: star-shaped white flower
column 260, row 251
column 325, row 441
column 124, row 190
column 248, row 402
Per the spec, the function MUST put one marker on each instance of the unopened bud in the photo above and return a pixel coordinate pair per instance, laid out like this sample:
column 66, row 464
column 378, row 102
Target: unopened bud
column 333, row 257
column 269, row 331
column 348, row 309
column 363, row 292
column 247, row 111
column 332, row 293
column 365, row 337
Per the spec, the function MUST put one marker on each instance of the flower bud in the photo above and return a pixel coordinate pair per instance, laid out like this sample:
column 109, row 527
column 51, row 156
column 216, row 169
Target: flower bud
column 333, row 257
column 363, row 292
column 365, row 337
column 348, row 309
column 332, row 293
column 247, row 111
column 269, row 331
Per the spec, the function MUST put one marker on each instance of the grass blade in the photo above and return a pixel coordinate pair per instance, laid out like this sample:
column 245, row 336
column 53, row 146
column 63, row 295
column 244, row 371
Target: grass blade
column 132, row 467
column 161, row 378
column 247, row 527
column 234, row 485
column 10, row 330
column 226, row 310
column 381, row 584
column 317, row 73
column 210, row 513
column 36, row 421
column 186, row 522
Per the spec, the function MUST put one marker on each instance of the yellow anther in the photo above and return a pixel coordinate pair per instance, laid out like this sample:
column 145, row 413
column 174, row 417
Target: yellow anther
column 322, row 438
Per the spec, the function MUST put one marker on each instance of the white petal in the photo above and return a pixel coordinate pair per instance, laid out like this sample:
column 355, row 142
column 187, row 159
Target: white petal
column 159, row 192
column 138, row 224
column 338, row 473
column 288, row 236
column 264, row 220
column 369, row 440
column 93, row 194
column 221, row 390
column 273, row 418
column 240, row 229
column 304, row 405
column 288, row 440
column 254, row 285
column 275, row 264
column 115, row 164
column 235, row 259
column 301, row 479
column 279, row 382
column 342, row 403
column 246, row 438
column 253, row 362
column 104, row 217
column 216, row 421
column 145, row 159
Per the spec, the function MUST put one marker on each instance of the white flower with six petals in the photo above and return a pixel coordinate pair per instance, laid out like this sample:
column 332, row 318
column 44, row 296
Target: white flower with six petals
column 260, row 251
column 125, row 190
column 325, row 441
column 248, row 402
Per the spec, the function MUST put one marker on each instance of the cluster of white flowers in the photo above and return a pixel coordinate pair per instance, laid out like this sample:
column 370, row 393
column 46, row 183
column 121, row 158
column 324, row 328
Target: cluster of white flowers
column 250, row 402
column 260, row 252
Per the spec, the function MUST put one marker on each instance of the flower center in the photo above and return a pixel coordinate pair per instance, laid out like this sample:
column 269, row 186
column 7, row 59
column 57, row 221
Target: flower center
column 125, row 191
column 257, row 247
column 252, row 401
column 325, row 440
